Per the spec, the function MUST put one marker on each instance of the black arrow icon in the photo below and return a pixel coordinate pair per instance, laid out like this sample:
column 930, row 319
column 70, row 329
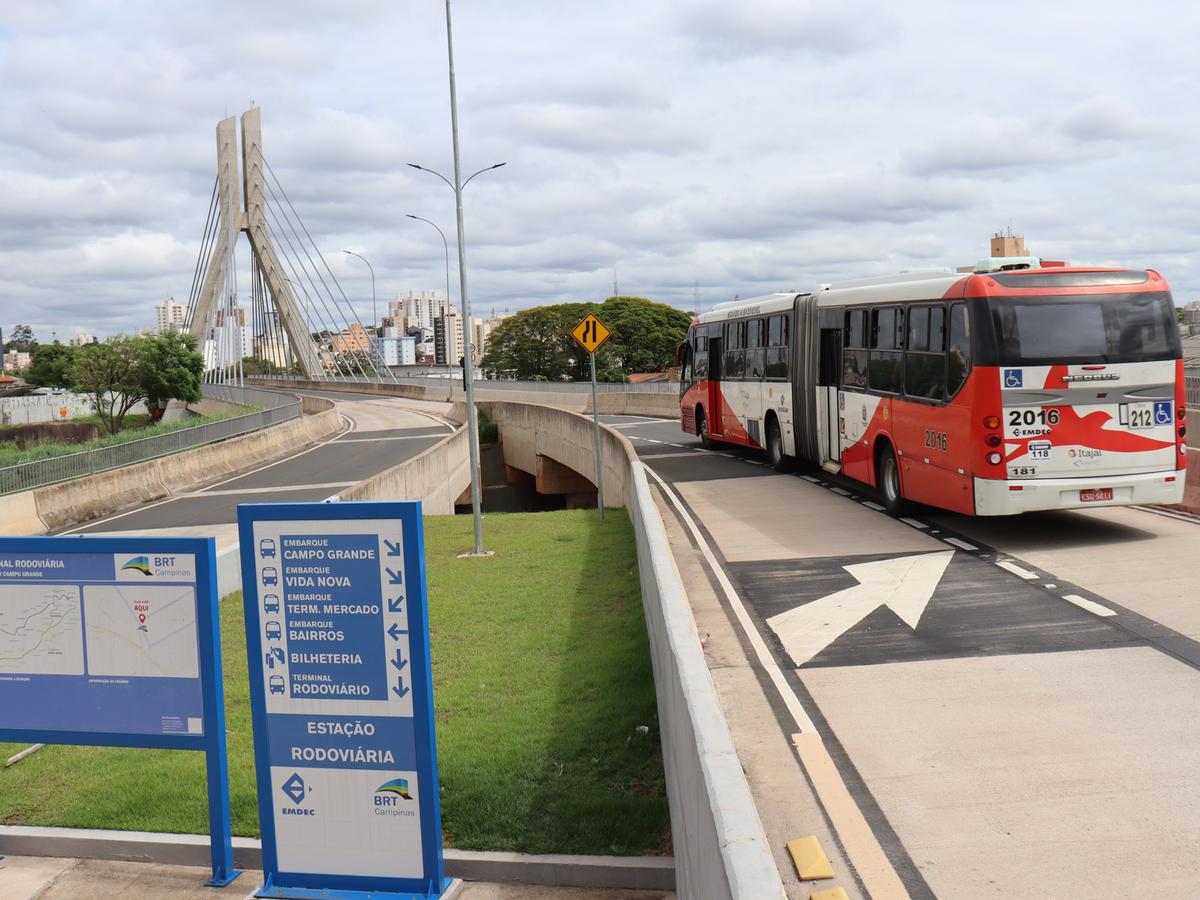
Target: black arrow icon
column 399, row 689
column 392, row 549
column 394, row 577
column 399, row 661
column 394, row 606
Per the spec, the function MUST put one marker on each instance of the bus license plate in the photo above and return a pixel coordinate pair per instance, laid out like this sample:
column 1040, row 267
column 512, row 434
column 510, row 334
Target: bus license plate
column 1091, row 495
column 1145, row 415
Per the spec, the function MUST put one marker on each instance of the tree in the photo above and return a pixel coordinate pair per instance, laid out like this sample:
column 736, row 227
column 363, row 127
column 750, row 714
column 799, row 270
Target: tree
column 109, row 374
column 537, row 342
column 51, row 365
column 169, row 368
column 21, row 339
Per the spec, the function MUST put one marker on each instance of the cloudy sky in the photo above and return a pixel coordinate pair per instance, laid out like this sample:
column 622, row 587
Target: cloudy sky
column 739, row 146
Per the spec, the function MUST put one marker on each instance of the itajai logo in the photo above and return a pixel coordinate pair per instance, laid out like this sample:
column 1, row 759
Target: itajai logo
column 139, row 564
column 398, row 786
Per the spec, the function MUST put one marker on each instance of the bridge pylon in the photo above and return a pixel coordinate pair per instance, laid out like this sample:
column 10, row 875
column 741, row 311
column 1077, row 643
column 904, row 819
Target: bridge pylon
column 241, row 201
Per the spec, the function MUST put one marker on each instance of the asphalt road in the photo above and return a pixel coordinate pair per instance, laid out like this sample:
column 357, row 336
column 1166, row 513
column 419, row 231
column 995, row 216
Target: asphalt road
column 381, row 432
column 1012, row 704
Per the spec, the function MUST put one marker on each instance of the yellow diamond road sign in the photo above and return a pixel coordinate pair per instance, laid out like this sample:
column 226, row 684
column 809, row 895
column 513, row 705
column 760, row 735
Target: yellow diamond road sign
column 590, row 333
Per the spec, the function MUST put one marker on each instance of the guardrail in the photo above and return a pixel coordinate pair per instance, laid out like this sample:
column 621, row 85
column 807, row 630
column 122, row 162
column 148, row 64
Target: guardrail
column 275, row 408
column 582, row 387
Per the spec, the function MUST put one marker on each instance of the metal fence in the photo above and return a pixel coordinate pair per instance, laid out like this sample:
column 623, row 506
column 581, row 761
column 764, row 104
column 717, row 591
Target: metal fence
column 559, row 387
column 1191, row 379
column 275, row 408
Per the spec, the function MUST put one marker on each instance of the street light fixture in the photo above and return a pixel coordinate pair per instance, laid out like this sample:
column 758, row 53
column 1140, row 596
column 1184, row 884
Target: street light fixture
column 374, row 311
column 445, row 244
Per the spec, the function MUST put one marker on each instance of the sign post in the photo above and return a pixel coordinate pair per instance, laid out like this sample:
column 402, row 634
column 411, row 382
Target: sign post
column 590, row 334
column 342, row 698
column 115, row 642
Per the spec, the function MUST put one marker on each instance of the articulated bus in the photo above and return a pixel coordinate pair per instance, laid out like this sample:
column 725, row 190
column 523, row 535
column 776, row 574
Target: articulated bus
column 983, row 393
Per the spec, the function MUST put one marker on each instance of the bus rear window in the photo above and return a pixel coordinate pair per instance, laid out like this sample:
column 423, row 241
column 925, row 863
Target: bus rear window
column 1100, row 328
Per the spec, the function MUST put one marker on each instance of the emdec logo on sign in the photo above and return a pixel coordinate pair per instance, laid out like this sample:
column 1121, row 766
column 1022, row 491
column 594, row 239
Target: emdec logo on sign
column 296, row 790
column 1013, row 378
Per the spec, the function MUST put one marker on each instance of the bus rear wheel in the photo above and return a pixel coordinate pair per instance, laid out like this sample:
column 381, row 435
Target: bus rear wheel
column 889, row 483
column 780, row 462
column 706, row 440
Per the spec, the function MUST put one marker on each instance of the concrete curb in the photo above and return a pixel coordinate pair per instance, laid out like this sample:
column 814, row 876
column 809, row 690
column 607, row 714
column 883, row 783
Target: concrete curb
column 647, row 873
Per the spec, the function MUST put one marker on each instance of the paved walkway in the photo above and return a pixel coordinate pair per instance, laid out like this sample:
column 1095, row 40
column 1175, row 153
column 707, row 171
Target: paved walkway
column 29, row 878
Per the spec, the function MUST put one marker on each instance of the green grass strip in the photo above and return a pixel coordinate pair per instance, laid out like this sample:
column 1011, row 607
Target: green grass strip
column 541, row 678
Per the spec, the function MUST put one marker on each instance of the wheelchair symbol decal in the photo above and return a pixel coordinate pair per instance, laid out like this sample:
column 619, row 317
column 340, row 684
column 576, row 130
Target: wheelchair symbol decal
column 1013, row 378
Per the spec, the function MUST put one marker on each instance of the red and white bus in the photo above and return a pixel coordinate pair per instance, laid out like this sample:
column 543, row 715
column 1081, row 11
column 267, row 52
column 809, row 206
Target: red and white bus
column 984, row 393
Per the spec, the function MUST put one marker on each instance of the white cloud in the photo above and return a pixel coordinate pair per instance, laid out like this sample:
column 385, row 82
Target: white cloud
column 745, row 146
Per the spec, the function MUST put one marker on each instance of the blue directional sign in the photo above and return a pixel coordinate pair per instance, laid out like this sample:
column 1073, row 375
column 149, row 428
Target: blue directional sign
column 342, row 698
column 114, row 641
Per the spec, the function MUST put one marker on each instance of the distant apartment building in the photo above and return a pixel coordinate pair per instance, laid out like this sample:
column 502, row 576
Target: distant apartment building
column 398, row 350
column 82, row 339
column 171, row 316
column 419, row 308
column 17, row 360
column 354, row 339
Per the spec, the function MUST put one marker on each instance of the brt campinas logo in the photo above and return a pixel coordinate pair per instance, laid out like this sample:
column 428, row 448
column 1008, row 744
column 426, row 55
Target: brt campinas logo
column 139, row 564
column 397, row 787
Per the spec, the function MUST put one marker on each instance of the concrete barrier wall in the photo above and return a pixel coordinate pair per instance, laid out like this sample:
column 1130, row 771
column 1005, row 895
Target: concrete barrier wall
column 529, row 430
column 70, row 503
column 436, row 477
column 447, row 391
column 721, row 851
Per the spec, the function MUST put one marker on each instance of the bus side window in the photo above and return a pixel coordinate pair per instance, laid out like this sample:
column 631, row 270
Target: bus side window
column 854, row 356
column 960, row 348
column 777, row 354
column 925, row 359
column 700, row 357
column 754, row 353
column 885, row 373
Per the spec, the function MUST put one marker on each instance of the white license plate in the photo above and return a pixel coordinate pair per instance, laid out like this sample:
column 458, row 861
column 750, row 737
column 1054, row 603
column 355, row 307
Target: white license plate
column 1146, row 415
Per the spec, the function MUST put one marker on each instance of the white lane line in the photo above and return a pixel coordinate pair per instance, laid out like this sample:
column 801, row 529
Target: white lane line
column 838, row 490
column 1049, row 587
column 765, row 658
column 1016, row 570
column 874, row 506
column 962, row 545
column 265, row 490
column 811, row 478
column 913, row 522
column 407, row 437
column 1090, row 605
column 129, row 512
column 653, row 441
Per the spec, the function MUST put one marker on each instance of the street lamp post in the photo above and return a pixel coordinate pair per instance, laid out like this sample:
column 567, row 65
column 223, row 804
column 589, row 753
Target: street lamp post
column 445, row 245
column 468, row 365
column 374, row 311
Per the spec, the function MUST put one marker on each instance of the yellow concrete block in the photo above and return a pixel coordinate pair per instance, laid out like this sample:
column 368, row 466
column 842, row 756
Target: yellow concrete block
column 831, row 894
column 811, row 862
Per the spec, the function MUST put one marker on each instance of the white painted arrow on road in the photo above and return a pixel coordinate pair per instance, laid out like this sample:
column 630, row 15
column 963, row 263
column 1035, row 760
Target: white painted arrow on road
column 905, row 585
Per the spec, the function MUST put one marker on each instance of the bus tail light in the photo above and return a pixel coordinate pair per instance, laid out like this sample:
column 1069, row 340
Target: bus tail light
column 992, row 440
column 1183, row 431
column 991, row 422
column 1181, row 412
column 1182, row 449
column 995, row 459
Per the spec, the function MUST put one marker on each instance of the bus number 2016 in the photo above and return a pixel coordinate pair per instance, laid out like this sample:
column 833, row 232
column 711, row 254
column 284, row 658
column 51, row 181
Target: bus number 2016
column 1033, row 417
column 937, row 440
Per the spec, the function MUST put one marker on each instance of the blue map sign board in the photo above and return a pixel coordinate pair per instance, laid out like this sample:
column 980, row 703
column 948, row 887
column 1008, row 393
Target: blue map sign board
column 342, row 698
column 115, row 641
